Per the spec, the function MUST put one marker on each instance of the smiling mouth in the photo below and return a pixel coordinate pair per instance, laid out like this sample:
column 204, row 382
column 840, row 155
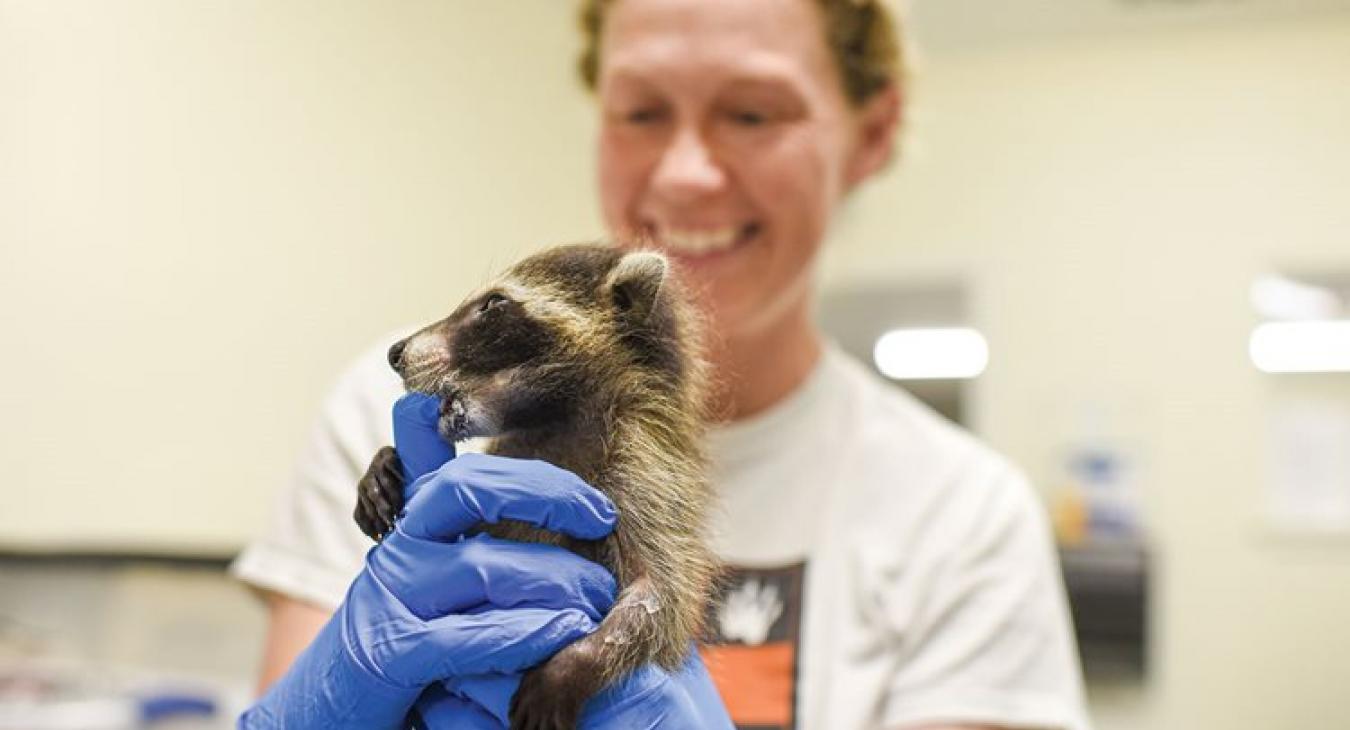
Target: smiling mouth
column 697, row 244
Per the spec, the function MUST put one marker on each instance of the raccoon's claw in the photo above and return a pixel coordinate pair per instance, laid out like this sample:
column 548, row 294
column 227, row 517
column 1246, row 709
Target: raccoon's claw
column 539, row 712
column 550, row 696
column 379, row 494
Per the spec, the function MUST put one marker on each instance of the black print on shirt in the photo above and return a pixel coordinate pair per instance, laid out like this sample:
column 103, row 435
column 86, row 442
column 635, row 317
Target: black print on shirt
column 753, row 647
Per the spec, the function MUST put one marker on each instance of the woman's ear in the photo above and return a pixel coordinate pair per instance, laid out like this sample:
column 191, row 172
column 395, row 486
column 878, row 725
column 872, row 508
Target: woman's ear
column 877, row 120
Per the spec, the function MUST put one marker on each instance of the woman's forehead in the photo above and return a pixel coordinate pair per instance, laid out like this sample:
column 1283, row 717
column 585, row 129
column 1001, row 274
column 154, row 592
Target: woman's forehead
column 767, row 40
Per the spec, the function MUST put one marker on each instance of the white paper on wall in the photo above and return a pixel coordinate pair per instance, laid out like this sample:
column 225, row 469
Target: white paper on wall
column 1309, row 488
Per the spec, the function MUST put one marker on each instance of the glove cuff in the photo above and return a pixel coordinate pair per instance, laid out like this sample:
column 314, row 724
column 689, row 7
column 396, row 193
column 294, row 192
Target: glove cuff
column 327, row 688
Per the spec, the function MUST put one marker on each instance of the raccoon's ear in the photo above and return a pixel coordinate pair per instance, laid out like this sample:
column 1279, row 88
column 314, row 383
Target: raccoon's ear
column 635, row 284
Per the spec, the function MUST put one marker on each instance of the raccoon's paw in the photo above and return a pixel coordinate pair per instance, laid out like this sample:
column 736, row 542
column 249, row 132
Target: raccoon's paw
column 379, row 494
column 551, row 695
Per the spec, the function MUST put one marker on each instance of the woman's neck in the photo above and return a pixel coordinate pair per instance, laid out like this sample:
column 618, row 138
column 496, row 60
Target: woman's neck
column 756, row 369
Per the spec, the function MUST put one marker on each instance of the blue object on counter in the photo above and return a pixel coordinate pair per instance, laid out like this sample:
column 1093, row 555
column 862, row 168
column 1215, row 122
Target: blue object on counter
column 156, row 707
column 61, row 697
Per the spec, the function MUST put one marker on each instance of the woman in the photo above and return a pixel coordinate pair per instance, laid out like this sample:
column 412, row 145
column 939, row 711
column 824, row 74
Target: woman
column 895, row 573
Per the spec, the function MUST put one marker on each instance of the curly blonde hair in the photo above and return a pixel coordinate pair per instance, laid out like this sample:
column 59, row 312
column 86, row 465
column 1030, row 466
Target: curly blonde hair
column 862, row 35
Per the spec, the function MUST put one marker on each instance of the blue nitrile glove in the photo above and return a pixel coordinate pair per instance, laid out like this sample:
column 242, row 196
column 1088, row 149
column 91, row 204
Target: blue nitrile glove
column 648, row 699
column 420, row 448
column 429, row 605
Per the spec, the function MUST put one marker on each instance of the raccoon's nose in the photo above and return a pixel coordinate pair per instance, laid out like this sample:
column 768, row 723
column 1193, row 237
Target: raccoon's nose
column 396, row 355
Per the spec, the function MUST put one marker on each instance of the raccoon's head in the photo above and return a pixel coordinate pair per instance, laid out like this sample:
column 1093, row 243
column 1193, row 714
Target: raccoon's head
column 550, row 334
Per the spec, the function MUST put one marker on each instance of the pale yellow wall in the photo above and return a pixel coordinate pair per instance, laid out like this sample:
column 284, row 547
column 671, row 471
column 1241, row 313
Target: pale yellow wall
column 206, row 209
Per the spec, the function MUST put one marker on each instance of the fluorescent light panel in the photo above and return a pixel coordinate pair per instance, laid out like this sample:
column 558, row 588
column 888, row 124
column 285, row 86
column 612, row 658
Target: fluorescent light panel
column 931, row 353
column 1301, row 347
column 1283, row 298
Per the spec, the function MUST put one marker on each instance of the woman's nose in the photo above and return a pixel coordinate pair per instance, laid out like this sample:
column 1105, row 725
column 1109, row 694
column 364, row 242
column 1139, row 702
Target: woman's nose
column 688, row 168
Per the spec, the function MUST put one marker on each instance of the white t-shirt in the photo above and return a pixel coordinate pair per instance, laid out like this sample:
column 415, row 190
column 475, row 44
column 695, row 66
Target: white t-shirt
column 893, row 570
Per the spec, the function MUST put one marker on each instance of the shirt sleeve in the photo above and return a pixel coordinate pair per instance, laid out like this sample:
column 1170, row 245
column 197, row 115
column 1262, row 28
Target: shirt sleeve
column 986, row 637
column 311, row 547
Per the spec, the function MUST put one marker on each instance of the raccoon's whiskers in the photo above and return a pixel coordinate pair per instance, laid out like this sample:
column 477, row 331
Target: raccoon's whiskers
column 421, row 376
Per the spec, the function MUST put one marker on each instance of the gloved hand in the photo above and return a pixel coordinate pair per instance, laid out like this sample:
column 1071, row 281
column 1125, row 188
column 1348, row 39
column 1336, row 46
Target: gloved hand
column 429, row 605
column 649, row 699
column 420, row 447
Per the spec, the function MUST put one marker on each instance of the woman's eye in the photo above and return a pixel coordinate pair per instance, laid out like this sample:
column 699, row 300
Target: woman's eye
column 643, row 116
column 749, row 118
column 491, row 301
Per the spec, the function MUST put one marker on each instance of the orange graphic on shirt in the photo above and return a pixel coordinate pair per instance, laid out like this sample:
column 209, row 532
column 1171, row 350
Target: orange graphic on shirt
column 756, row 682
column 751, row 650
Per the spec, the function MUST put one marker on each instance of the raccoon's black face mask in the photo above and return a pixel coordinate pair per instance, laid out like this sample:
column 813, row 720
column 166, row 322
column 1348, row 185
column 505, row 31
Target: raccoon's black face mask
column 524, row 352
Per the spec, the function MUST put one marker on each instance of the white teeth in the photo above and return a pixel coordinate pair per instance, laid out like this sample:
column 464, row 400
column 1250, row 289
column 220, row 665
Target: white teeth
column 699, row 242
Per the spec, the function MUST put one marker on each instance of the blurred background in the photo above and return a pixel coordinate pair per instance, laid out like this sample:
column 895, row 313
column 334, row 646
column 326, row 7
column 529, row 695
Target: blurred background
column 1130, row 218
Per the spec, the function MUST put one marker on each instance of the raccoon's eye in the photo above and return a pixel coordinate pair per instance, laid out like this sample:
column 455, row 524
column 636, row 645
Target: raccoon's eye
column 491, row 301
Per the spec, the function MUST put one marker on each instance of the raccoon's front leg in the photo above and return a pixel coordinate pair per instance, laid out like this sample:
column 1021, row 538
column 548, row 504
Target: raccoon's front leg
column 551, row 695
column 379, row 494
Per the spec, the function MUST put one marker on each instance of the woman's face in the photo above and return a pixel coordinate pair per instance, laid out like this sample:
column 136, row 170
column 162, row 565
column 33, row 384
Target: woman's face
column 726, row 141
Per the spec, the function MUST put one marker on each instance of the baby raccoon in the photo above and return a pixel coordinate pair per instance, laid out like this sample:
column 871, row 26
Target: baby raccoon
column 585, row 357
